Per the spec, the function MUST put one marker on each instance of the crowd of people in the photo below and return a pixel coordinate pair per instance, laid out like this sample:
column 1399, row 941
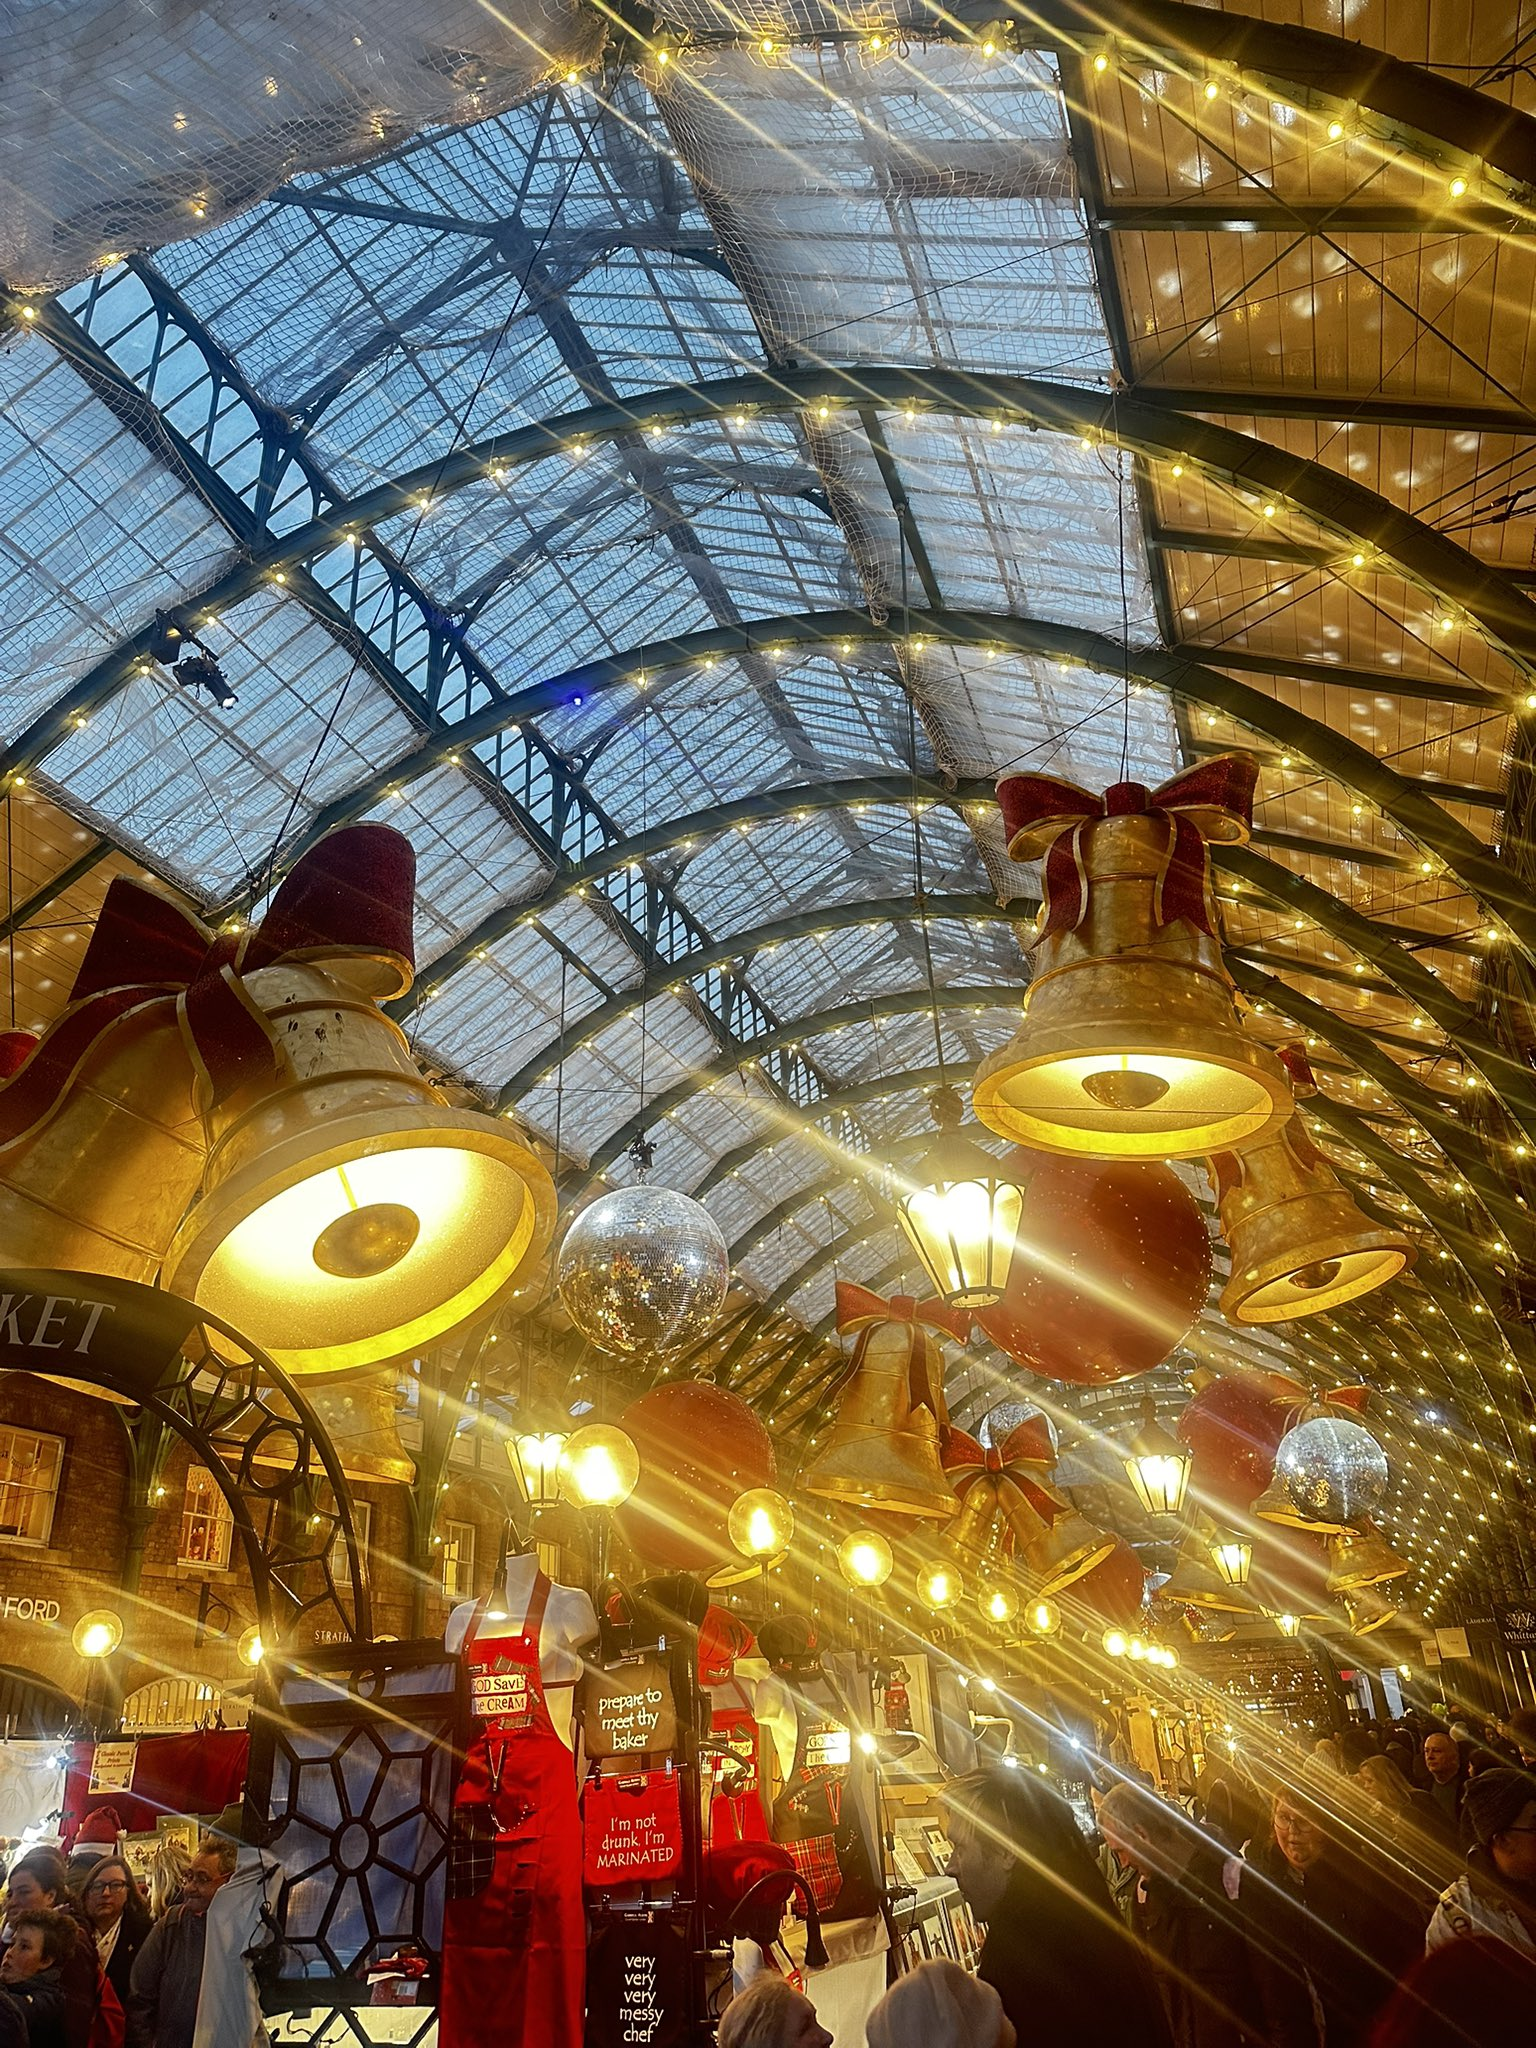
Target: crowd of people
column 89, row 1958
column 1379, row 1893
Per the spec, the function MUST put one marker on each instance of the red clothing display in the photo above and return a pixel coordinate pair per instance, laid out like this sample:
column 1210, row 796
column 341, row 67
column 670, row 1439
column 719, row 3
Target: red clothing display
column 514, row 1938
column 739, row 1815
column 197, row 1774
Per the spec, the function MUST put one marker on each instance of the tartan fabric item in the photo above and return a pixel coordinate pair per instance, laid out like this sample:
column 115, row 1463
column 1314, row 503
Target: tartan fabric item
column 815, row 1860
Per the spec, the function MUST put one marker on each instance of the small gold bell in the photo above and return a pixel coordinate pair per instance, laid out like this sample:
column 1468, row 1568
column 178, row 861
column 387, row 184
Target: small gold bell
column 1361, row 1557
column 884, row 1451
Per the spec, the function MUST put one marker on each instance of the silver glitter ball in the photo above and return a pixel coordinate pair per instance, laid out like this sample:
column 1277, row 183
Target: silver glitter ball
column 643, row 1269
column 1334, row 1471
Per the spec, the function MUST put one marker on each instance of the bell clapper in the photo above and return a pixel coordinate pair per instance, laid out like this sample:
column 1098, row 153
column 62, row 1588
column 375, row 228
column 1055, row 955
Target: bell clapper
column 365, row 1240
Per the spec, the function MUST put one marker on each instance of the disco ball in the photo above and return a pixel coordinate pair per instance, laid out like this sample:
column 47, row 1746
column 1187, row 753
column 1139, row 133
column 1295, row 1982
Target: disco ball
column 643, row 1269
column 1334, row 1471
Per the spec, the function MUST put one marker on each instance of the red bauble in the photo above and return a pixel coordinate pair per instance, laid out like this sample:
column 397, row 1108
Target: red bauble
column 1110, row 1595
column 1233, row 1426
column 1112, row 1268
column 700, row 1446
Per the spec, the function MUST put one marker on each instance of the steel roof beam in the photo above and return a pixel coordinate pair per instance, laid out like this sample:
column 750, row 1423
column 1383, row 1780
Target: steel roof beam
column 1233, row 460
column 1238, row 214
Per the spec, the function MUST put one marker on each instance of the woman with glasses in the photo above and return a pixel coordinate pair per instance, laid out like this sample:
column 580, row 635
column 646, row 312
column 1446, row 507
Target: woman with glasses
column 1497, row 1893
column 117, row 1917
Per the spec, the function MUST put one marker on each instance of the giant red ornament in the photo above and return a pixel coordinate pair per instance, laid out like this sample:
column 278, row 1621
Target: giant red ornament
column 1113, row 1266
column 700, row 1446
column 1111, row 1593
column 1233, row 1427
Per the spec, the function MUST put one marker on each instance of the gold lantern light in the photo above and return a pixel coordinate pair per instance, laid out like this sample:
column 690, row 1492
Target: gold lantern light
column 535, row 1458
column 1299, row 1242
column 1232, row 1556
column 97, row 1634
column 598, row 1466
column 1131, row 1046
column 865, row 1559
column 1158, row 1466
column 1289, row 1625
column 939, row 1586
column 960, row 1210
column 761, row 1524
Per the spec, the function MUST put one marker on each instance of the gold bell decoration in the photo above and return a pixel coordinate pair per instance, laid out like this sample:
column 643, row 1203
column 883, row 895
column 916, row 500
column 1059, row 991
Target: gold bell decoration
column 349, row 1213
column 1131, row 1046
column 1197, row 1583
column 1299, row 1242
column 1362, row 1557
column 1369, row 1609
column 884, row 1450
column 1008, row 1508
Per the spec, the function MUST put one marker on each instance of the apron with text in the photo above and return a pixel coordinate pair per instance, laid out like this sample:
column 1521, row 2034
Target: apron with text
column 514, row 1935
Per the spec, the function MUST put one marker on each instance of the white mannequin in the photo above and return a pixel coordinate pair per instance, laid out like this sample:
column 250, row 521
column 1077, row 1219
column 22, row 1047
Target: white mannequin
column 570, row 1622
column 767, row 1698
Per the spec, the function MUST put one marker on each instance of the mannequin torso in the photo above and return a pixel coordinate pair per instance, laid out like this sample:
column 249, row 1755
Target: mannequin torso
column 569, row 1623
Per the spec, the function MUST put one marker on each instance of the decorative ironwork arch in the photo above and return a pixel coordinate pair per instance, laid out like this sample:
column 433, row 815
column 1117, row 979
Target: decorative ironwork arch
column 243, row 1416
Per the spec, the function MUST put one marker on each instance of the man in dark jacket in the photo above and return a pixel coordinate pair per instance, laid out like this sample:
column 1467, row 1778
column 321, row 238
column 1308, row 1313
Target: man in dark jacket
column 168, row 1970
column 1185, row 1912
column 31, row 1971
column 1066, row 1967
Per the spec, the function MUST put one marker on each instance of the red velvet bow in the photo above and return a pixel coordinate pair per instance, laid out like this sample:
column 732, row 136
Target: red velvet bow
column 1043, row 814
column 349, row 897
column 965, row 1460
column 859, row 1309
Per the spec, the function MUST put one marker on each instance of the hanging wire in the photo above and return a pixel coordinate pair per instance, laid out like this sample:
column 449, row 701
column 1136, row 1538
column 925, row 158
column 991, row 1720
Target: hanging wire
column 919, row 890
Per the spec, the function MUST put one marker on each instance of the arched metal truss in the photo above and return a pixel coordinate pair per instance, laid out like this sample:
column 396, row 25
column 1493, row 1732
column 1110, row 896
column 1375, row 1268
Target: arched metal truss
column 1485, row 596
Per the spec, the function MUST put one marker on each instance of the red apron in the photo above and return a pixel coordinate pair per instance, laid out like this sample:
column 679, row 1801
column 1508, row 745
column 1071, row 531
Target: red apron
column 514, row 1935
column 738, row 1816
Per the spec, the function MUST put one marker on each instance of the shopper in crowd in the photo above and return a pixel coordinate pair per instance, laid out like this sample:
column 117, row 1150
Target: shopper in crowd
column 1446, row 1769
column 1184, row 1913
column 1521, row 1731
column 38, row 1881
column 771, row 2013
column 1496, row 1894
column 1477, row 1992
column 167, row 1973
column 1228, row 1805
column 1067, row 1969
column 42, row 1944
column 939, row 2005
column 1328, row 1931
column 93, row 2012
column 117, row 1917
column 168, row 1867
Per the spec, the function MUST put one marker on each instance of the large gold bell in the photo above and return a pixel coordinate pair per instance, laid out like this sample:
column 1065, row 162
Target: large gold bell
column 1069, row 1549
column 884, row 1451
column 1130, row 1046
column 351, row 1215
column 1361, row 1557
column 1196, row 1583
column 1368, row 1610
column 1274, row 1504
column 1299, row 1244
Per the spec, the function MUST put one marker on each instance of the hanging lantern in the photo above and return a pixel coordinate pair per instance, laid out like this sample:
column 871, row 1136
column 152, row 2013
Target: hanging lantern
column 884, row 1448
column 1116, row 1642
column 998, row 1602
column 1334, row 1470
column 700, row 1448
column 1299, row 1243
column 643, row 1269
column 1289, row 1625
column 599, row 1466
column 97, row 1634
column 1130, row 1046
column 1158, row 1467
column 865, row 1559
column 1111, row 1272
column 1361, row 1557
column 535, row 1458
column 1043, row 1618
column 1232, row 1557
column 1197, row 1583
column 960, row 1210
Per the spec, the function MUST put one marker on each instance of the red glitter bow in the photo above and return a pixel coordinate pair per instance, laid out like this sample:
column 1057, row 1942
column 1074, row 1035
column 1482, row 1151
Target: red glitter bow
column 349, row 897
column 1042, row 814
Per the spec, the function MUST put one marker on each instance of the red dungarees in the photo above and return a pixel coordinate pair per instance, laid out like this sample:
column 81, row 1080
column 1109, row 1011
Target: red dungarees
column 514, row 1952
